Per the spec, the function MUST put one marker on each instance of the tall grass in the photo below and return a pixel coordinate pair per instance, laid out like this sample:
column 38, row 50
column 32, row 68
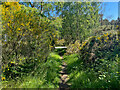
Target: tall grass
column 86, row 77
column 45, row 75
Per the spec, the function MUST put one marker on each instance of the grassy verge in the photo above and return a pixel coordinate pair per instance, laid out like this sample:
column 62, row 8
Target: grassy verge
column 82, row 77
column 45, row 76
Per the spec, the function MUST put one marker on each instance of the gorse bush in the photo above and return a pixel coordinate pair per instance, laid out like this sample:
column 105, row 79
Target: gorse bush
column 60, row 42
column 105, row 46
column 27, row 37
column 73, row 48
column 96, row 63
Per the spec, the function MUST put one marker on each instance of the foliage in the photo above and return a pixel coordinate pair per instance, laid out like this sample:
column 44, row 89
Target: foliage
column 60, row 42
column 61, row 51
column 27, row 37
column 82, row 77
column 73, row 48
column 96, row 65
column 45, row 75
column 78, row 20
column 106, row 46
column 30, row 32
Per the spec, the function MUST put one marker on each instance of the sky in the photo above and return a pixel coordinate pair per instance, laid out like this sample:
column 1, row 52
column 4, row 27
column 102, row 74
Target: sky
column 110, row 10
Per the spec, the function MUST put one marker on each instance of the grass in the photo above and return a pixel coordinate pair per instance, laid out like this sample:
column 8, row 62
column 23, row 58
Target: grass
column 55, row 55
column 81, row 77
column 45, row 76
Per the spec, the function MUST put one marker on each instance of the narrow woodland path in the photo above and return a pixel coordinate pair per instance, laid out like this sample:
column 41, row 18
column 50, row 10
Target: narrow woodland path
column 64, row 77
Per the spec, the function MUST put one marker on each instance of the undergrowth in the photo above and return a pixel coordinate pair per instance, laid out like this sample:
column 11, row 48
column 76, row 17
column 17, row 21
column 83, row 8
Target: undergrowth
column 80, row 76
column 44, row 76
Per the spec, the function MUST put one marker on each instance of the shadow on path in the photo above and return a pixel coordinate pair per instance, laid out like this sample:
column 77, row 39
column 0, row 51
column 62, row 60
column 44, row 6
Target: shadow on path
column 64, row 77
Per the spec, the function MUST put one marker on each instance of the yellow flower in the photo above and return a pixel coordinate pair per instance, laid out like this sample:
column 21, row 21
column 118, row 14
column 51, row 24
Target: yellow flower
column 12, row 62
column 8, row 69
column 7, row 3
column 8, row 24
column 11, row 17
column 117, row 39
column 31, row 29
column 6, row 9
column 19, row 7
column 27, row 24
column 18, row 29
column 105, row 34
column 3, row 26
column 22, row 24
column 23, row 34
column 105, row 40
column 98, row 38
column 80, row 48
column 3, row 78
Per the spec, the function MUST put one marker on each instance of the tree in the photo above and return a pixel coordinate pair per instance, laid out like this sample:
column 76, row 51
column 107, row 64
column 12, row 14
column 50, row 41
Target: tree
column 78, row 19
column 105, row 22
column 113, row 22
column 101, row 18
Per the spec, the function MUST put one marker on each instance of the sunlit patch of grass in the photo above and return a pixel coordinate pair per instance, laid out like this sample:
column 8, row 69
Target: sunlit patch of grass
column 32, row 82
column 72, row 62
column 26, row 82
column 71, row 58
column 54, row 55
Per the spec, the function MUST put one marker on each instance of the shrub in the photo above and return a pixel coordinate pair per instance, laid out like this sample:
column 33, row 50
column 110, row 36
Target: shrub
column 60, row 42
column 26, row 34
column 73, row 48
column 105, row 46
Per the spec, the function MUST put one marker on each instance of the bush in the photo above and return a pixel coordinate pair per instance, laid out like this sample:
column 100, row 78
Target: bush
column 60, row 42
column 73, row 48
column 26, row 34
column 106, row 46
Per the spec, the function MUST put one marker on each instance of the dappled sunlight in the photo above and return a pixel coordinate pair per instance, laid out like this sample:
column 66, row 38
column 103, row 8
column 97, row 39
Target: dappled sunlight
column 58, row 45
